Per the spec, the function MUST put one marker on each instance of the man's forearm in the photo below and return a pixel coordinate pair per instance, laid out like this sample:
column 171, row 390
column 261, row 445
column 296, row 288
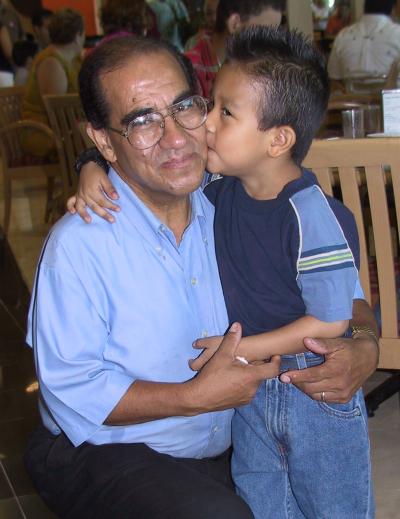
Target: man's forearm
column 222, row 383
column 363, row 316
column 147, row 401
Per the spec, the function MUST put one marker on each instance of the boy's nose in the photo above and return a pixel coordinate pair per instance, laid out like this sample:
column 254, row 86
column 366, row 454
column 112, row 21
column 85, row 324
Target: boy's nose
column 210, row 121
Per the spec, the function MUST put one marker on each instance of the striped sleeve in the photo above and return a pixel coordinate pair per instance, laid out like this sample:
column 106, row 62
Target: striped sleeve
column 331, row 257
column 326, row 271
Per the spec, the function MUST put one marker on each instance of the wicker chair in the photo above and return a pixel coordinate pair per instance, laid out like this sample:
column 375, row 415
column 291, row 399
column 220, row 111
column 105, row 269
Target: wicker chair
column 17, row 164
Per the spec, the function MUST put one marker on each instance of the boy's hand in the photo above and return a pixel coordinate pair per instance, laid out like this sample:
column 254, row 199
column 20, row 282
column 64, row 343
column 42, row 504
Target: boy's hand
column 210, row 346
column 93, row 189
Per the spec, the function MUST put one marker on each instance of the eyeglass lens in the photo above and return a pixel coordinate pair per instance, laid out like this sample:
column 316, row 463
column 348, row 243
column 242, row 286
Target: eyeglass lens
column 147, row 130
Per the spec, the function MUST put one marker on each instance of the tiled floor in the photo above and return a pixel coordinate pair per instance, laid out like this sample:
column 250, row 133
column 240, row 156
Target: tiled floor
column 18, row 412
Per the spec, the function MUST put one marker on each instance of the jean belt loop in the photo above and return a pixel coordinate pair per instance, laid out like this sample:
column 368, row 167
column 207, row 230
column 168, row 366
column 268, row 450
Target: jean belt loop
column 301, row 361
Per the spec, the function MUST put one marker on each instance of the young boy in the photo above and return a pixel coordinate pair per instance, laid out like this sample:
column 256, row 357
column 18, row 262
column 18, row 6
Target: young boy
column 286, row 258
column 285, row 255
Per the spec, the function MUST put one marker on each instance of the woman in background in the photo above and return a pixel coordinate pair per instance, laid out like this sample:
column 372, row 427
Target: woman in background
column 54, row 71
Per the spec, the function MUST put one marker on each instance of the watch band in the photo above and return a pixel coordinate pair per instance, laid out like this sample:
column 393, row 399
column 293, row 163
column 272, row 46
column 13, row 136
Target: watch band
column 90, row 155
column 366, row 330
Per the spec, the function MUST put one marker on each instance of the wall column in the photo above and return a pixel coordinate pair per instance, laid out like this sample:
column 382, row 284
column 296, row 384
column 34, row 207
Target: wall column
column 299, row 16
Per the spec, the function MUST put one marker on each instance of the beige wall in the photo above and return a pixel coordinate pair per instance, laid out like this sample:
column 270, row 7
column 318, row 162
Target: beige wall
column 357, row 9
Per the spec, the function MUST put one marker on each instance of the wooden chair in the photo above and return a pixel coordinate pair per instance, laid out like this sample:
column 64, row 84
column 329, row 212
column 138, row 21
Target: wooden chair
column 17, row 164
column 65, row 117
column 368, row 171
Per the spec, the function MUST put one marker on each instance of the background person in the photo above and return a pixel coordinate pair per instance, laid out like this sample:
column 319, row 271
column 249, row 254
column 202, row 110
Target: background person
column 124, row 18
column 40, row 27
column 172, row 16
column 54, row 71
column 23, row 54
column 232, row 16
column 369, row 46
column 208, row 25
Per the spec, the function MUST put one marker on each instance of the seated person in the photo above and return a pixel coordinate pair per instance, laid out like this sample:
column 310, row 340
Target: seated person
column 40, row 27
column 232, row 16
column 54, row 71
column 367, row 47
column 23, row 53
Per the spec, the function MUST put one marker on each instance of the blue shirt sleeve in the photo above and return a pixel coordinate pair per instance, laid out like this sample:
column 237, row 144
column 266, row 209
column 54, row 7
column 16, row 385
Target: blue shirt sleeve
column 326, row 270
column 79, row 387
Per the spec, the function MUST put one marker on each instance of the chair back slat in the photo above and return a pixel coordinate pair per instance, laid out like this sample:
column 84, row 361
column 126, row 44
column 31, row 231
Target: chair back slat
column 349, row 178
column 367, row 176
column 65, row 116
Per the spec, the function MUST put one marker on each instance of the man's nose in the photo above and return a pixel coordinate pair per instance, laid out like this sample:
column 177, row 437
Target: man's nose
column 174, row 135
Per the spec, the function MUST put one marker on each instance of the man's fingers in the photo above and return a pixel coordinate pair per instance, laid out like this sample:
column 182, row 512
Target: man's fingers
column 231, row 340
column 301, row 376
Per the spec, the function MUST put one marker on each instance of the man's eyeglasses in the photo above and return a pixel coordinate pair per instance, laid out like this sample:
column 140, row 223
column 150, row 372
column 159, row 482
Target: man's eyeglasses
column 147, row 130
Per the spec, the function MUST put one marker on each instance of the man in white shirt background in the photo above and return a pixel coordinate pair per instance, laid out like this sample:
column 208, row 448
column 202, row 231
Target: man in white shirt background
column 369, row 46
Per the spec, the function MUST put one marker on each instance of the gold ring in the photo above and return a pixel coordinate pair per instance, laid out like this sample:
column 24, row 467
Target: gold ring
column 323, row 396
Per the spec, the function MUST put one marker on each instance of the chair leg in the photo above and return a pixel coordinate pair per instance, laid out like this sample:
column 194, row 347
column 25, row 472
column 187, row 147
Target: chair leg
column 7, row 204
column 382, row 392
column 49, row 202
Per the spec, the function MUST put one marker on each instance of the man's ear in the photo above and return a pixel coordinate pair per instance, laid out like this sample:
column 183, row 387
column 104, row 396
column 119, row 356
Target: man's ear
column 281, row 140
column 234, row 23
column 101, row 139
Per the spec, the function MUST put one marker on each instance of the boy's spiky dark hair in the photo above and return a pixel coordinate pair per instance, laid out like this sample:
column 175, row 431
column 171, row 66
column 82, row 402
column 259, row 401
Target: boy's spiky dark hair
column 291, row 77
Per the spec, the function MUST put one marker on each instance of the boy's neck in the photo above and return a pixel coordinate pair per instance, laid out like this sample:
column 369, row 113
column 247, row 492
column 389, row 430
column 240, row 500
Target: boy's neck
column 267, row 184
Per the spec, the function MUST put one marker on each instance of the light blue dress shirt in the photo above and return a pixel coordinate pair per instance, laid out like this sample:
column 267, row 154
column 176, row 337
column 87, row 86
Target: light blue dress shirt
column 116, row 303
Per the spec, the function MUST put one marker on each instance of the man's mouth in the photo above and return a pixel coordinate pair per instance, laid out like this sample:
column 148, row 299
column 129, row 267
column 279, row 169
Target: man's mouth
column 179, row 162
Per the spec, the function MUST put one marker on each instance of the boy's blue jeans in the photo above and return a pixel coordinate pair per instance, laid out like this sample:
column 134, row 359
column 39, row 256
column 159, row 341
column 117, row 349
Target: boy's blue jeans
column 296, row 458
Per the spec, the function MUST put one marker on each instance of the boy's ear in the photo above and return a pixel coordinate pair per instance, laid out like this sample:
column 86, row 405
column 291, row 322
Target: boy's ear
column 101, row 139
column 233, row 23
column 281, row 140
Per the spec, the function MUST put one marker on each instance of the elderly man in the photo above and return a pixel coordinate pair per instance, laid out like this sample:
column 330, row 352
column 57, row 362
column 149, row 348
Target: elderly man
column 127, row 430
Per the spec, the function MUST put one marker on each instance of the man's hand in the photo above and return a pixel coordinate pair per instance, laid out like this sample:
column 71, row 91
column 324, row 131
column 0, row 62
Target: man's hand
column 348, row 363
column 226, row 382
column 210, row 345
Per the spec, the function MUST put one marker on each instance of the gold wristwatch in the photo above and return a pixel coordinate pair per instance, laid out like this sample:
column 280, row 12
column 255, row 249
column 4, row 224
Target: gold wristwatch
column 355, row 330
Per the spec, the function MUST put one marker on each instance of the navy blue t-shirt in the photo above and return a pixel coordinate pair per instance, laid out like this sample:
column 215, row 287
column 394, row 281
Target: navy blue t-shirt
column 284, row 258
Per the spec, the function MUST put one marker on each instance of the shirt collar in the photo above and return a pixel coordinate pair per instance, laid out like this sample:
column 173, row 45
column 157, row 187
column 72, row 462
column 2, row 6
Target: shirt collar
column 132, row 202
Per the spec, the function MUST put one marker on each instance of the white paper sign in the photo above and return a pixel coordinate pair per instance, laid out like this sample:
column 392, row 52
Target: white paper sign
column 391, row 111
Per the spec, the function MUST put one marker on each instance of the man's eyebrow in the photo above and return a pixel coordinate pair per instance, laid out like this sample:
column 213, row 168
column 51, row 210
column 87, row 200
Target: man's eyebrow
column 139, row 112
column 135, row 113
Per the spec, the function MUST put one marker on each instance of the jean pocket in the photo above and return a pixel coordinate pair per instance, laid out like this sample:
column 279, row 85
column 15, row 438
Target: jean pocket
column 349, row 410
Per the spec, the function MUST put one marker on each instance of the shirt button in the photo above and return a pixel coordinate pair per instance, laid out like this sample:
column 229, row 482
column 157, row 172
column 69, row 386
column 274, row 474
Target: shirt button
column 162, row 227
column 215, row 429
column 204, row 333
column 193, row 281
